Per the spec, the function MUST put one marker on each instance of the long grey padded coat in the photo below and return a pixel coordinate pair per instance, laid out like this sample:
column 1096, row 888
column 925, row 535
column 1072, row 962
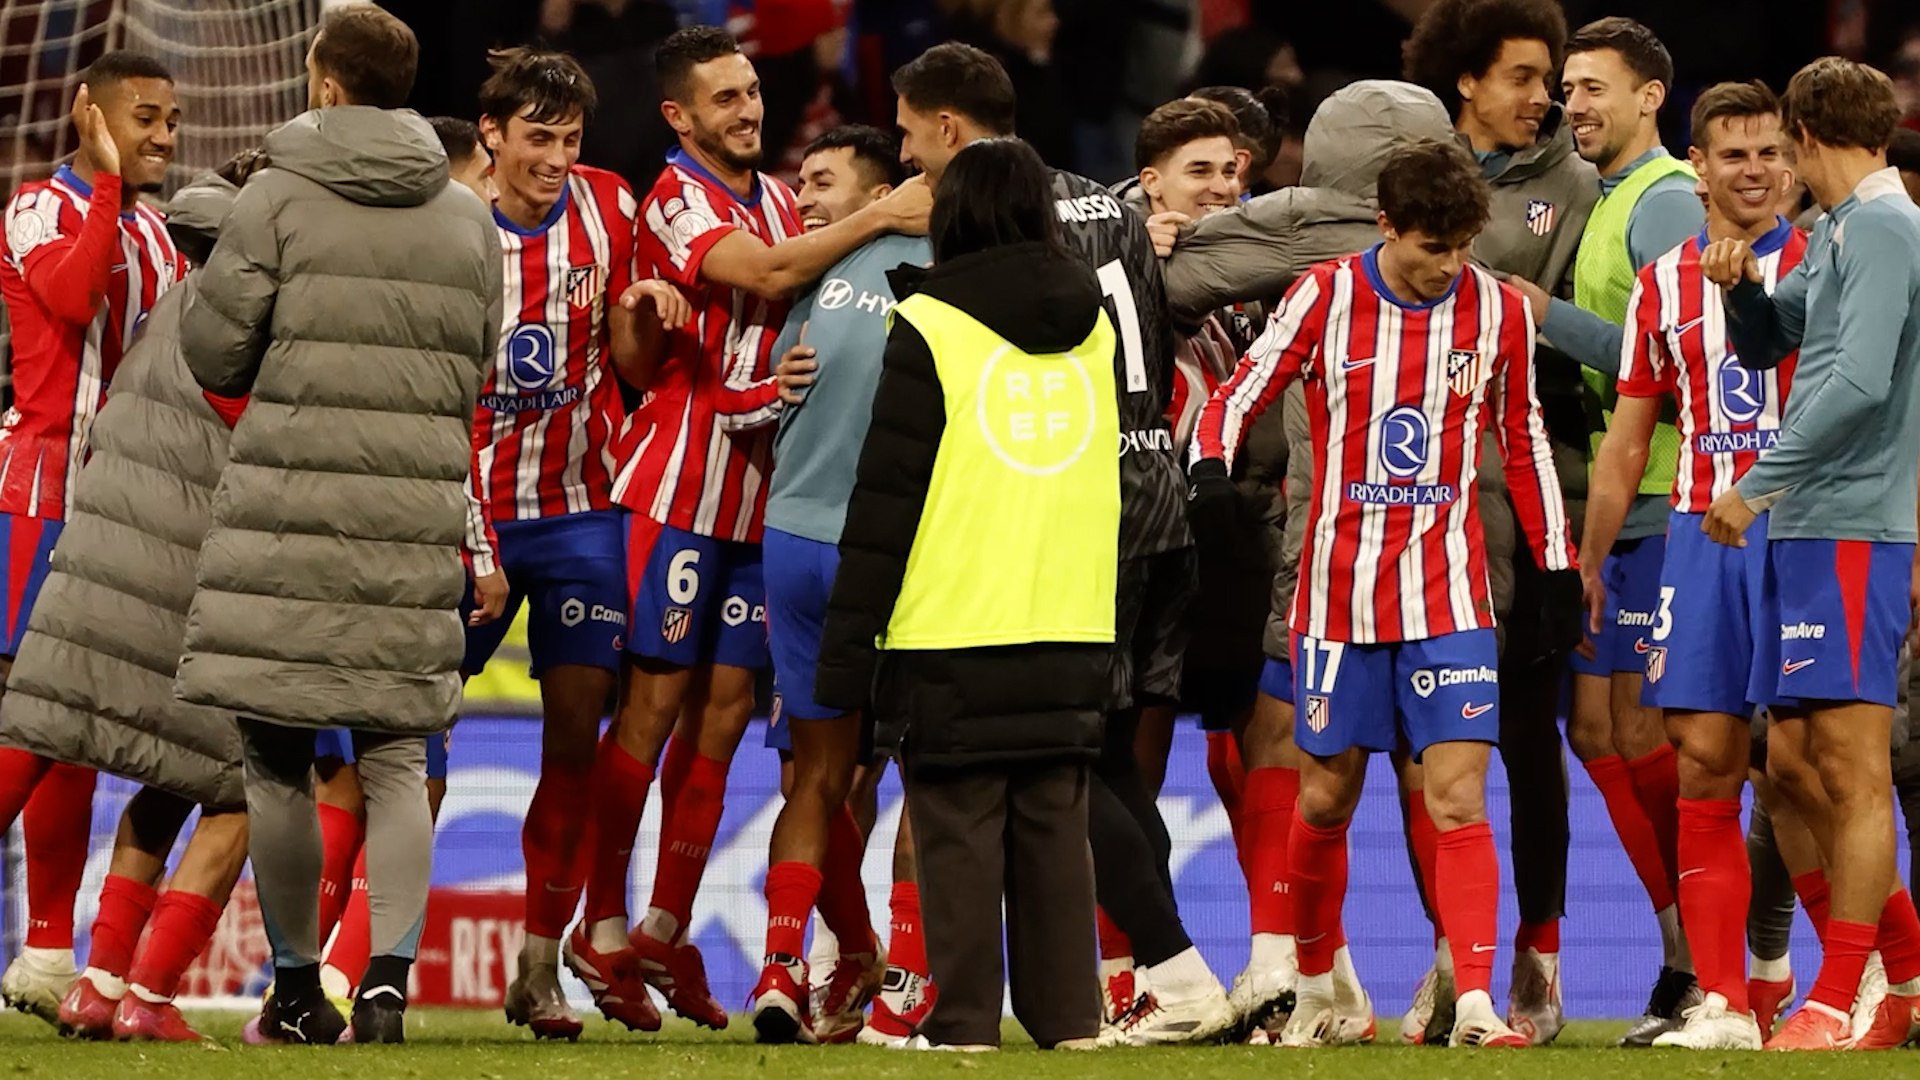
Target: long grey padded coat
column 93, row 682
column 355, row 295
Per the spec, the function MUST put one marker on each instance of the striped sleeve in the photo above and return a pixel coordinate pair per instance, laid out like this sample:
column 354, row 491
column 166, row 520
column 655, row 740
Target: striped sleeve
column 480, row 542
column 67, row 264
column 1645, row 368
column 1525, row 452
column 1279, row 356
column 685, row 226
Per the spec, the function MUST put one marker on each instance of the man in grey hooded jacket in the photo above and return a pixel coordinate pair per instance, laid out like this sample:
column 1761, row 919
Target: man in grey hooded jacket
column 343, row 324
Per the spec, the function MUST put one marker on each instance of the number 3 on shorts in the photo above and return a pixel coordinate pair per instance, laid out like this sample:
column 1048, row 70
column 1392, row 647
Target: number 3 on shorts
column 683, row 580
column 1663, row 619
column 1323, row 663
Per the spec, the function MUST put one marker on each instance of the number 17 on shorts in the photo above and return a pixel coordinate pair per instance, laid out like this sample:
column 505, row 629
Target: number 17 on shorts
column 696, row 600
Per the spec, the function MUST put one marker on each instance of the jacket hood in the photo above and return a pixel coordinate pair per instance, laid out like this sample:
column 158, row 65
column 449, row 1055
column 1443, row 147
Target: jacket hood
column 200, row 207
column 1552, row 146
column 375, row 157
column 1133, row 196
column 1354, row 131
column 1040, row 300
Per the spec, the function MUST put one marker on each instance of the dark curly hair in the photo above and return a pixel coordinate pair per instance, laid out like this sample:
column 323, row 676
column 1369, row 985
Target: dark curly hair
column 1435, row 188
column 1463, row 37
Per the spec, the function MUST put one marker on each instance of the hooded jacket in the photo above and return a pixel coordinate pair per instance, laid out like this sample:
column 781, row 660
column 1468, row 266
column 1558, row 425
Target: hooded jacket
column 355, row 295
column 93, row 682
column 967, row 705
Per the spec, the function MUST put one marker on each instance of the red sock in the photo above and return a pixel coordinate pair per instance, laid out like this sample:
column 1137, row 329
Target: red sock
column 675, row 760
column 341, row 834
column 687, row 839
column 351, row 946
column 1541, row 937
column 183, row 923
column 1114, row 944
column 843, row 896
column 550, row 841
column 1468, row 884
column 58, row 828
column 620, row 783
column 1656, row 781
column 1229, row 776
column 1816, row 898
column 20, row 773
column 1899, row 938
column 1716, row 888
column 124, row 907
column 1317, row 869
column 906, row 949
column 1267, row 807
column 1844, row 950
column 1611, row 776
column 791, row 888
column 1426, row 845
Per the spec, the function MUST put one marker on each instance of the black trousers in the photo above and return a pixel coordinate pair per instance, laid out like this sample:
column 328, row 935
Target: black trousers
column 1012, row 832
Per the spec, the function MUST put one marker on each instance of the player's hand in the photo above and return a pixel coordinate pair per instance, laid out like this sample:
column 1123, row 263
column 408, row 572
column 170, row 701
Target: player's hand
column 1211, row 506
column 669, row 306
column 95, row 139
column 1727, row 519
column 1164, row 229
column 1561, row 608
column 909, row 206
column 489, row 598
column 1727, row 263
column 1593, row 593
column 1537, row 297
column 795, row 373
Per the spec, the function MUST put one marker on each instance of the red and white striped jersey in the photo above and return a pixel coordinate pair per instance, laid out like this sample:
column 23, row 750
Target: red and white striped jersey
column 1397, row 397
column 78, row 277
column 1676, row 342
column 1202, row 361
column 700, row 446
column 548, row 420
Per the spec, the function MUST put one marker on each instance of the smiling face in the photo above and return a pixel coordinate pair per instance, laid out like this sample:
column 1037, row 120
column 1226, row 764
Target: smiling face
column 1743, row 162
column 1607, row 103
column 143, row 117
column 531, row 161
column 833, row 185
column 1503, row 109
column 1195, row 179
column 722, row 114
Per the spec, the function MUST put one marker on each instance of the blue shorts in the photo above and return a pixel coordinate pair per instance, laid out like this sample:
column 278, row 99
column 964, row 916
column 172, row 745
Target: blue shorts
column 1632, row 577
column 1443, row 689
column 1276, row 680
column 27, row 543
column 1700, row 648
column 1832, row 619
column 338, row 743
column 799, row 579
column 573, row 571
column 695, row 600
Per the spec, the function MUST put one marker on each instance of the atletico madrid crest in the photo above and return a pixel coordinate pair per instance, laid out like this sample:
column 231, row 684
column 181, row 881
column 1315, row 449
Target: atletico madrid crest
column 1656, row 663
column 1463, row 370
column 1316, row 713
column 675, row 624
column 1540, row 215
column 583, row 284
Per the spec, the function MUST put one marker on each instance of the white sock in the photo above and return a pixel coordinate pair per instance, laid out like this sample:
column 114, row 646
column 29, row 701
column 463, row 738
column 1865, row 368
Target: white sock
column 1780, row 970
column 660, row 925
column 112, row 987
column 1320, row 986
column 608, row 935
column 1673, row 943
column 1272, row 951
column 48, row 959
column 147, row 995
column 1115, row 966
column 825, row 948
column 1910, row 988
column 1443, row 957
column 1184, row 974
column 536, row 950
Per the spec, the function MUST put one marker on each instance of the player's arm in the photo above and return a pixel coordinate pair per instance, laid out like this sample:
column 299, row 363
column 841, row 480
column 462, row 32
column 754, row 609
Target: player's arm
column 1526, row 453
column 68, row 275
column 638, row 324
column 1276, row 358
column 1879, row 287
column 1236, row 255
column 775, row 272
column 1622, row 461
column 1765, row 329
column 224, row 327
column 883, row 514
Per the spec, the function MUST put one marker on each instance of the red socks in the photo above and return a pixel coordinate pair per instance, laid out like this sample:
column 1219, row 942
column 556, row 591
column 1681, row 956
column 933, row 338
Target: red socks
column 341, row 834
column 58, row 827
column 183, row 923
column 1317, row 865
column 1716, row 888
column 620, row 783
column 550, row 842
column 1616, row 783
column 354, row 940
column 1426, row 845
column 1845, row 946
column 843, row 896
column 20, row 773
column 124, row 907
column 675, row 760
column 906, row 949
column 1542, row 937
column 1656, row 781
column 1229, row 778
column 1816, row 898
column 1467, row 900
column 1899, row 938
column 1114, row 944
column 791, row 888
column 687, row 838
column 1268, row 826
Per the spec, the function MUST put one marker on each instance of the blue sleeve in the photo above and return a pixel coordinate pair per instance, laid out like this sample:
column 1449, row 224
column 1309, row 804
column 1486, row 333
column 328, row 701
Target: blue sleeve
column 1878, row 284
column 1766, row 329
column 1664, row 217
column 1581, row 334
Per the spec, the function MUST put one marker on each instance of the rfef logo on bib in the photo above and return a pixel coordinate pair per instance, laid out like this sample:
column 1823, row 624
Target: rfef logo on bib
column 1036, row 413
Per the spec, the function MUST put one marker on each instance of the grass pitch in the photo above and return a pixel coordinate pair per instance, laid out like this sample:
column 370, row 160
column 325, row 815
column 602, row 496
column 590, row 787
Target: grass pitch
column 447, row 1044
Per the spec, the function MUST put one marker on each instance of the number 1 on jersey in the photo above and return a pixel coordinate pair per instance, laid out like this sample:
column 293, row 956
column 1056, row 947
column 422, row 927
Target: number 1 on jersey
column 1114, row 283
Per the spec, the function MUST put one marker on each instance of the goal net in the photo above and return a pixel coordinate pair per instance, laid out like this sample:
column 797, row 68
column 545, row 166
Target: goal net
column 239, row 68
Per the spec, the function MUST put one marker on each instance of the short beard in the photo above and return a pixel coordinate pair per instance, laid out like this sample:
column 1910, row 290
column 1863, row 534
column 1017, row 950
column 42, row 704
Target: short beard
column 715, row 147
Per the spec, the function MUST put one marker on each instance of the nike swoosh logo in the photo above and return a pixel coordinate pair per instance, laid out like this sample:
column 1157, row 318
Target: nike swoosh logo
column 1640, row 645
column 1688, row 325
column 1685, row 874
column 1311, row 940
column 1792, row 666
column 1475, row 712
column 1349, row 365
column 1484, row 948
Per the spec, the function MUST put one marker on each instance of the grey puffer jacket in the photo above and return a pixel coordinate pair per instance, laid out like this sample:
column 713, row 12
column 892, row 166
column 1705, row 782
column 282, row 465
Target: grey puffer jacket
column 355, row 295
column 93, row 682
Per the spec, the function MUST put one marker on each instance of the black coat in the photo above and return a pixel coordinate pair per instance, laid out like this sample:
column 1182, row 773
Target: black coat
column 956, row 706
